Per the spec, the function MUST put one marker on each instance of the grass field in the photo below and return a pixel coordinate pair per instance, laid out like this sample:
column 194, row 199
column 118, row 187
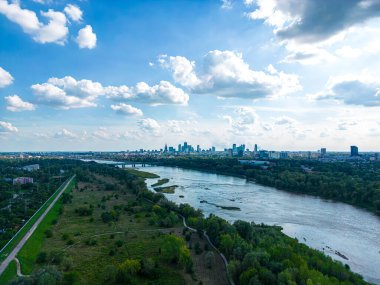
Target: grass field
column 27, row 226
column 9, row 273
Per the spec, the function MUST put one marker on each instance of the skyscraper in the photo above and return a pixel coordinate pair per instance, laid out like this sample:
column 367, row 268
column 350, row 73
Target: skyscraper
column 354, row 150
column 323, row 151
column 255, row 148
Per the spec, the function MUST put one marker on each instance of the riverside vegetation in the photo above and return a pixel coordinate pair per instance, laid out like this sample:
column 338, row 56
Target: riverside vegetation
column 112, row 230
column 356, row 183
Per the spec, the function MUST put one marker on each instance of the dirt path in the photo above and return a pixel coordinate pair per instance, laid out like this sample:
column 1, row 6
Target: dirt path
column 19, row 246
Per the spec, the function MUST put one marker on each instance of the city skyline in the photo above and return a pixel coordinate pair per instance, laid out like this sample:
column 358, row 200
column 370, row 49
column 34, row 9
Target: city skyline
column 80, row 75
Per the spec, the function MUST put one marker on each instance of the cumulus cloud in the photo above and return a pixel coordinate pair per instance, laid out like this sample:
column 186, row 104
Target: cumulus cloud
column 86, row 38
column 126, row 109
column 73, row 12
column 55, row 31
column 303, row 22
column 352, row 90
column 243, row 120
column 16, row 104
column 162, row 93
column 225, row 74
column 5, row 78
column 68, row 93
column 150, row 126
column 6, row 127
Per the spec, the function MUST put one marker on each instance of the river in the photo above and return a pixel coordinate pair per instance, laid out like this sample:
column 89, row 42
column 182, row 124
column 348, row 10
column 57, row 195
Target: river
column 321, row 224
column 324, row 225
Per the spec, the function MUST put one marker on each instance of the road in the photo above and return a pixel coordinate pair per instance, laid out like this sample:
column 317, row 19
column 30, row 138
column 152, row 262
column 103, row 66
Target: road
column 19, row 246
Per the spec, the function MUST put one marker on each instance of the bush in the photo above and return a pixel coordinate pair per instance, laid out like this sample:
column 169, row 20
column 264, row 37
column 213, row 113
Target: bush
column 48, row 233
column 119, row 243
column 42, row 257
column 56, row 257
column 65, row 236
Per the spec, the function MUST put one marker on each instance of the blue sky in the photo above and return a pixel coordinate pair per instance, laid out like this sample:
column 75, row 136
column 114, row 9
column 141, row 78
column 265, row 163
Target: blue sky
column 101, row 75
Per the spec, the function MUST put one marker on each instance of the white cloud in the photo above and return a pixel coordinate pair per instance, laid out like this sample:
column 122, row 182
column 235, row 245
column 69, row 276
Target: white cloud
column 352, row 90
column 16, row 104
column 177, row 126
column 6, row 127
column 74, row 12
column 226, row 4
column 86, row 38
column 5, row 78
column 126, row 109
column 150, row 126
column 55, row 31
column 64, row 133
column 303, row 22
column 243, row 121
column 348, row 52
column 284, row 121
column 225, row 74
column 162, row 93
column 68, row 93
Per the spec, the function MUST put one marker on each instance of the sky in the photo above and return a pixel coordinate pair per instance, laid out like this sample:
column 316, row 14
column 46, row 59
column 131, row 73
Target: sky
column 85, row 75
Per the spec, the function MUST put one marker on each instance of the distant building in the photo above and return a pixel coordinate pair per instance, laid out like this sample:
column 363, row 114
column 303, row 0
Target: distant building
column 354, row 150
column 284, row 155
column 323, row 151
column 22, row 180
column 213, row 149
column 256, row 148
column 31, row 167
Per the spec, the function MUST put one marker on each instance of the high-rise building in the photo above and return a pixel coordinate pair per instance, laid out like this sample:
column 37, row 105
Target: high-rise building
column 256, row 148
column 354, row 150
column 179, row 147
column 213, row 149
column 198, row 148
column 166, row 148
column 323, row 151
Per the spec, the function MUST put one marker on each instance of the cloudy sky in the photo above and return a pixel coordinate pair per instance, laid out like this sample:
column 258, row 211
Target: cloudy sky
column 118, row 75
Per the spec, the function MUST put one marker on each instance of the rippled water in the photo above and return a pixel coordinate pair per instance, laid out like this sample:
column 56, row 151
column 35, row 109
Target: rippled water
column 321, row 224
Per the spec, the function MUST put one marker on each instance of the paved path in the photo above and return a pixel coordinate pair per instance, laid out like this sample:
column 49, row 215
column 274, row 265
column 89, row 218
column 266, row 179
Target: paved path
column 19, row 246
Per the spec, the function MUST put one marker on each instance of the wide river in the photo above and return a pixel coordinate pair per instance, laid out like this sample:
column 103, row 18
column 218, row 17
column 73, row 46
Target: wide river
column 328, row 226
column 324, row 225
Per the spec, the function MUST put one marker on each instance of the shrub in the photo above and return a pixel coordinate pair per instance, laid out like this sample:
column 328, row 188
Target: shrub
column 48, row 233
column 42, row 257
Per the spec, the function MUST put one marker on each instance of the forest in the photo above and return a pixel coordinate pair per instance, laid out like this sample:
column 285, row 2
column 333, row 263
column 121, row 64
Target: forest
column 355, row 183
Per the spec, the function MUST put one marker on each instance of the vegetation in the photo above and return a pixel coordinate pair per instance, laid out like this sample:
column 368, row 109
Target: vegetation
column 166, row 189
column 160, row 182
column 356, row 183
column 142, row 242
column 142, row 174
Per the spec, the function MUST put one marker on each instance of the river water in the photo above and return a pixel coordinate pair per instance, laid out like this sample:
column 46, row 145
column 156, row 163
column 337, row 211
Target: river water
column 324, row 225
column 321, row 224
